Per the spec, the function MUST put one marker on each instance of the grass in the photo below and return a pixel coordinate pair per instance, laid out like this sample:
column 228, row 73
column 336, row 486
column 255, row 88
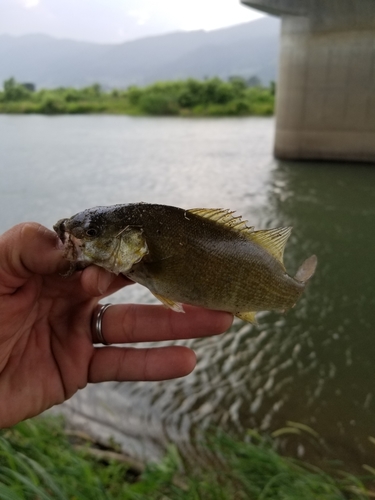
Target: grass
column 212, row 97
column 40, row 461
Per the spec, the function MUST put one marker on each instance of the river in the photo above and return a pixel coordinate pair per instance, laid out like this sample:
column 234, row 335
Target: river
column 313, row 365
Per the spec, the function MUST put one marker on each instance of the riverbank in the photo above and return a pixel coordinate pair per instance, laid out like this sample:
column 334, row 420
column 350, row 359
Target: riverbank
column 39, row 459
column 213, row 97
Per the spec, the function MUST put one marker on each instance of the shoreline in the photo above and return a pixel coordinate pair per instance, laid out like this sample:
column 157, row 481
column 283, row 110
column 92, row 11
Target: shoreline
column 211, row 97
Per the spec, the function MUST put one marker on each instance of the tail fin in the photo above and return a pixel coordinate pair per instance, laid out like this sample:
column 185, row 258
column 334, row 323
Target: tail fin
column 307, row 269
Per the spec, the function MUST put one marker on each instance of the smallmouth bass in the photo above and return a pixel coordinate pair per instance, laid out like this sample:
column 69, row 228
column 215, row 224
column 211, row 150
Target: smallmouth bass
column 204, row 257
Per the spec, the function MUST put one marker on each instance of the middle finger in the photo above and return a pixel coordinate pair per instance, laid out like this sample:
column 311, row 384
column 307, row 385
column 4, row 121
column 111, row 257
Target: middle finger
column 130, row 323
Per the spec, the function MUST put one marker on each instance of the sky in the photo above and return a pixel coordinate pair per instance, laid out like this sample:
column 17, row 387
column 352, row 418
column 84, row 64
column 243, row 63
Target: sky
column 114, row 21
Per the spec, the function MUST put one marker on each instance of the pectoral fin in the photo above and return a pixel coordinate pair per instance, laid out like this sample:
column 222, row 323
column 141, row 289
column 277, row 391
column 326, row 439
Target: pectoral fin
column 247, row 316
column 171, row 304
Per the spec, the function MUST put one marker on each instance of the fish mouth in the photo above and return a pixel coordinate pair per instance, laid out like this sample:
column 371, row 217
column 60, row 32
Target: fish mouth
column 59, row 228
column 73, row 247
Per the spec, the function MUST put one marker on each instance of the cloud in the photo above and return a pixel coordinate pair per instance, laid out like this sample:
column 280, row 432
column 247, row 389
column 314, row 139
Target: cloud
column 141, row 16
column 206, row 14
column 29, row 4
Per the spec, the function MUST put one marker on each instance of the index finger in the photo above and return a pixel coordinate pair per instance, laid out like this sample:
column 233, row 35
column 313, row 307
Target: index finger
column 131, row 323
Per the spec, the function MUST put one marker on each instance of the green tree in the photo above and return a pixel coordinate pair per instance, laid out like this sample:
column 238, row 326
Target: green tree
column 93, row 91
column 134, row 94
column 190, row 93
column 13, row 91
column 254, row 81
column 239, row 85
column 155, row 103
column 217, row 92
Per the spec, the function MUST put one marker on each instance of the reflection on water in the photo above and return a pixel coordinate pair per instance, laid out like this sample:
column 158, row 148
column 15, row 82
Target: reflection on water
column 313, row 365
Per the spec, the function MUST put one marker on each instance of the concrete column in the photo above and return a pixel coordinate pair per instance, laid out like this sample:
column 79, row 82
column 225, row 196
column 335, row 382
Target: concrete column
column 326, row 86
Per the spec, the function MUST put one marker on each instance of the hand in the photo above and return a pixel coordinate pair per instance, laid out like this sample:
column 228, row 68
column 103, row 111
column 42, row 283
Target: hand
column 46, row 344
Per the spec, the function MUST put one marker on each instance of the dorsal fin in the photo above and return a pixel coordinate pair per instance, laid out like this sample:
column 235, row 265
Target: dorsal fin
column 272, row 240
column 225, row 217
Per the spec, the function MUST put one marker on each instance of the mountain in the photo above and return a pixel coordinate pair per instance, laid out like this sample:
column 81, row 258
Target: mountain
column 247, row 50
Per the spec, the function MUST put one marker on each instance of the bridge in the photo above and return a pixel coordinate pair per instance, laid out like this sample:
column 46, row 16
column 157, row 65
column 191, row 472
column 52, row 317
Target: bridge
column 325, row 106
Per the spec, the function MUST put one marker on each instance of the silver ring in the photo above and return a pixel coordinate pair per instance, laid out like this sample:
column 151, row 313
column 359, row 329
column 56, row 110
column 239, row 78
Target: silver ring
column 98, row 333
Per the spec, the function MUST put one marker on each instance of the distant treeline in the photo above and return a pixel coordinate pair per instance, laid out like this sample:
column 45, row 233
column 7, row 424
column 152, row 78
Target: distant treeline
column 211, row 97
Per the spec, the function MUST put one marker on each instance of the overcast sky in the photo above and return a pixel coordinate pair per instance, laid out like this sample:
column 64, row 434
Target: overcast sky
column 115, row 21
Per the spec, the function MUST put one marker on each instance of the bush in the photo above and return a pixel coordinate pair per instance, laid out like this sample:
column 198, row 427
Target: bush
column 158, row 104
column 134, row 94
column 215, row 91
column 51, row 105
column 71, row 95
column 190, row 94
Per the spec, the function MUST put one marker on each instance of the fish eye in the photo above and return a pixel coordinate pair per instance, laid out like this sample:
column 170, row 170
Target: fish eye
column 91, row 232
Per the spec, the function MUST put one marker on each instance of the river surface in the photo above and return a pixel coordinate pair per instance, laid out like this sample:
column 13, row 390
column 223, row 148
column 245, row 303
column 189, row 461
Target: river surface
column 314, row 365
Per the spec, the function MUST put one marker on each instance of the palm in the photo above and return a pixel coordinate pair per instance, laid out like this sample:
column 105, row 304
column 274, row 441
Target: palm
column 49, row 347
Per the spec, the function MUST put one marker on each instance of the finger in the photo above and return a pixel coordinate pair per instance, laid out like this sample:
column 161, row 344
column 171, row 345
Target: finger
column 97, row 282
column 125, row 364
column 26, row 249
column 149, row 323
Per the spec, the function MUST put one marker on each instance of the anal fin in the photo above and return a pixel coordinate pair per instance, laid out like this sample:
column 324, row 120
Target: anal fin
column 247, row 316
column 171, row 304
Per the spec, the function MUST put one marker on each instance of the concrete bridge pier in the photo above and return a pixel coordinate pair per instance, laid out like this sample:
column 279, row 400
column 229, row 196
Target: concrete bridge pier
column 326, row 86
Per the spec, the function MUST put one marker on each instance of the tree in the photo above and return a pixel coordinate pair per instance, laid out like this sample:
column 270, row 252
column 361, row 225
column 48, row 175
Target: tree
column 254, row 81
column 13, row 91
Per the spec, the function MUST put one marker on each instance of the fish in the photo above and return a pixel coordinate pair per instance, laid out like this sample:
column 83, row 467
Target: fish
column 204, row 257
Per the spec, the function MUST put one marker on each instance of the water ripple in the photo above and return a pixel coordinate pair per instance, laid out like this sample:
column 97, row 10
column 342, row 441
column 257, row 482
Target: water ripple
column 312, row 365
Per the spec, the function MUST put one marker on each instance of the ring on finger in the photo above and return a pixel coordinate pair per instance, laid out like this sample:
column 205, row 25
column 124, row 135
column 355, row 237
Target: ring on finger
column 98, row 325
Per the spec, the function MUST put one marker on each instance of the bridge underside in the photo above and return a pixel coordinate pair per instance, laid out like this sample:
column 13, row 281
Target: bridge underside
column 326, row 84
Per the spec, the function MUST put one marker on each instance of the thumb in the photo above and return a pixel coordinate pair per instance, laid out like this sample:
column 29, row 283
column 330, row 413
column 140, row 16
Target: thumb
column 26, row 249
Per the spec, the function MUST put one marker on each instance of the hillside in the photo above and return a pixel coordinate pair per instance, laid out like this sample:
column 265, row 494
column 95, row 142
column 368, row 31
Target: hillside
column 246, row 50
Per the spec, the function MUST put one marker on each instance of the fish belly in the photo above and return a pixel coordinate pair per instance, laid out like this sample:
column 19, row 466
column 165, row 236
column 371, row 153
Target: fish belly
column 228, row 284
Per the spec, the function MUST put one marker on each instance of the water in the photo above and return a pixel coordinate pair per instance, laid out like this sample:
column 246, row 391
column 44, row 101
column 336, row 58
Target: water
column 313, row 366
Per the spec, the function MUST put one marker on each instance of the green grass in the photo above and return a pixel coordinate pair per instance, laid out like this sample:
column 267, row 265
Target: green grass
column 212, row 97
column 39, row 461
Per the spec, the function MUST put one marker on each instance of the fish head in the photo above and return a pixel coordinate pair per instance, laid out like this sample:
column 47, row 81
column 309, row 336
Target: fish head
column 92, row 237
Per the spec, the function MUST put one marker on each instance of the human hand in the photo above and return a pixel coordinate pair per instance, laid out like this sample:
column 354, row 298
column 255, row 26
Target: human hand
column 46, row 339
